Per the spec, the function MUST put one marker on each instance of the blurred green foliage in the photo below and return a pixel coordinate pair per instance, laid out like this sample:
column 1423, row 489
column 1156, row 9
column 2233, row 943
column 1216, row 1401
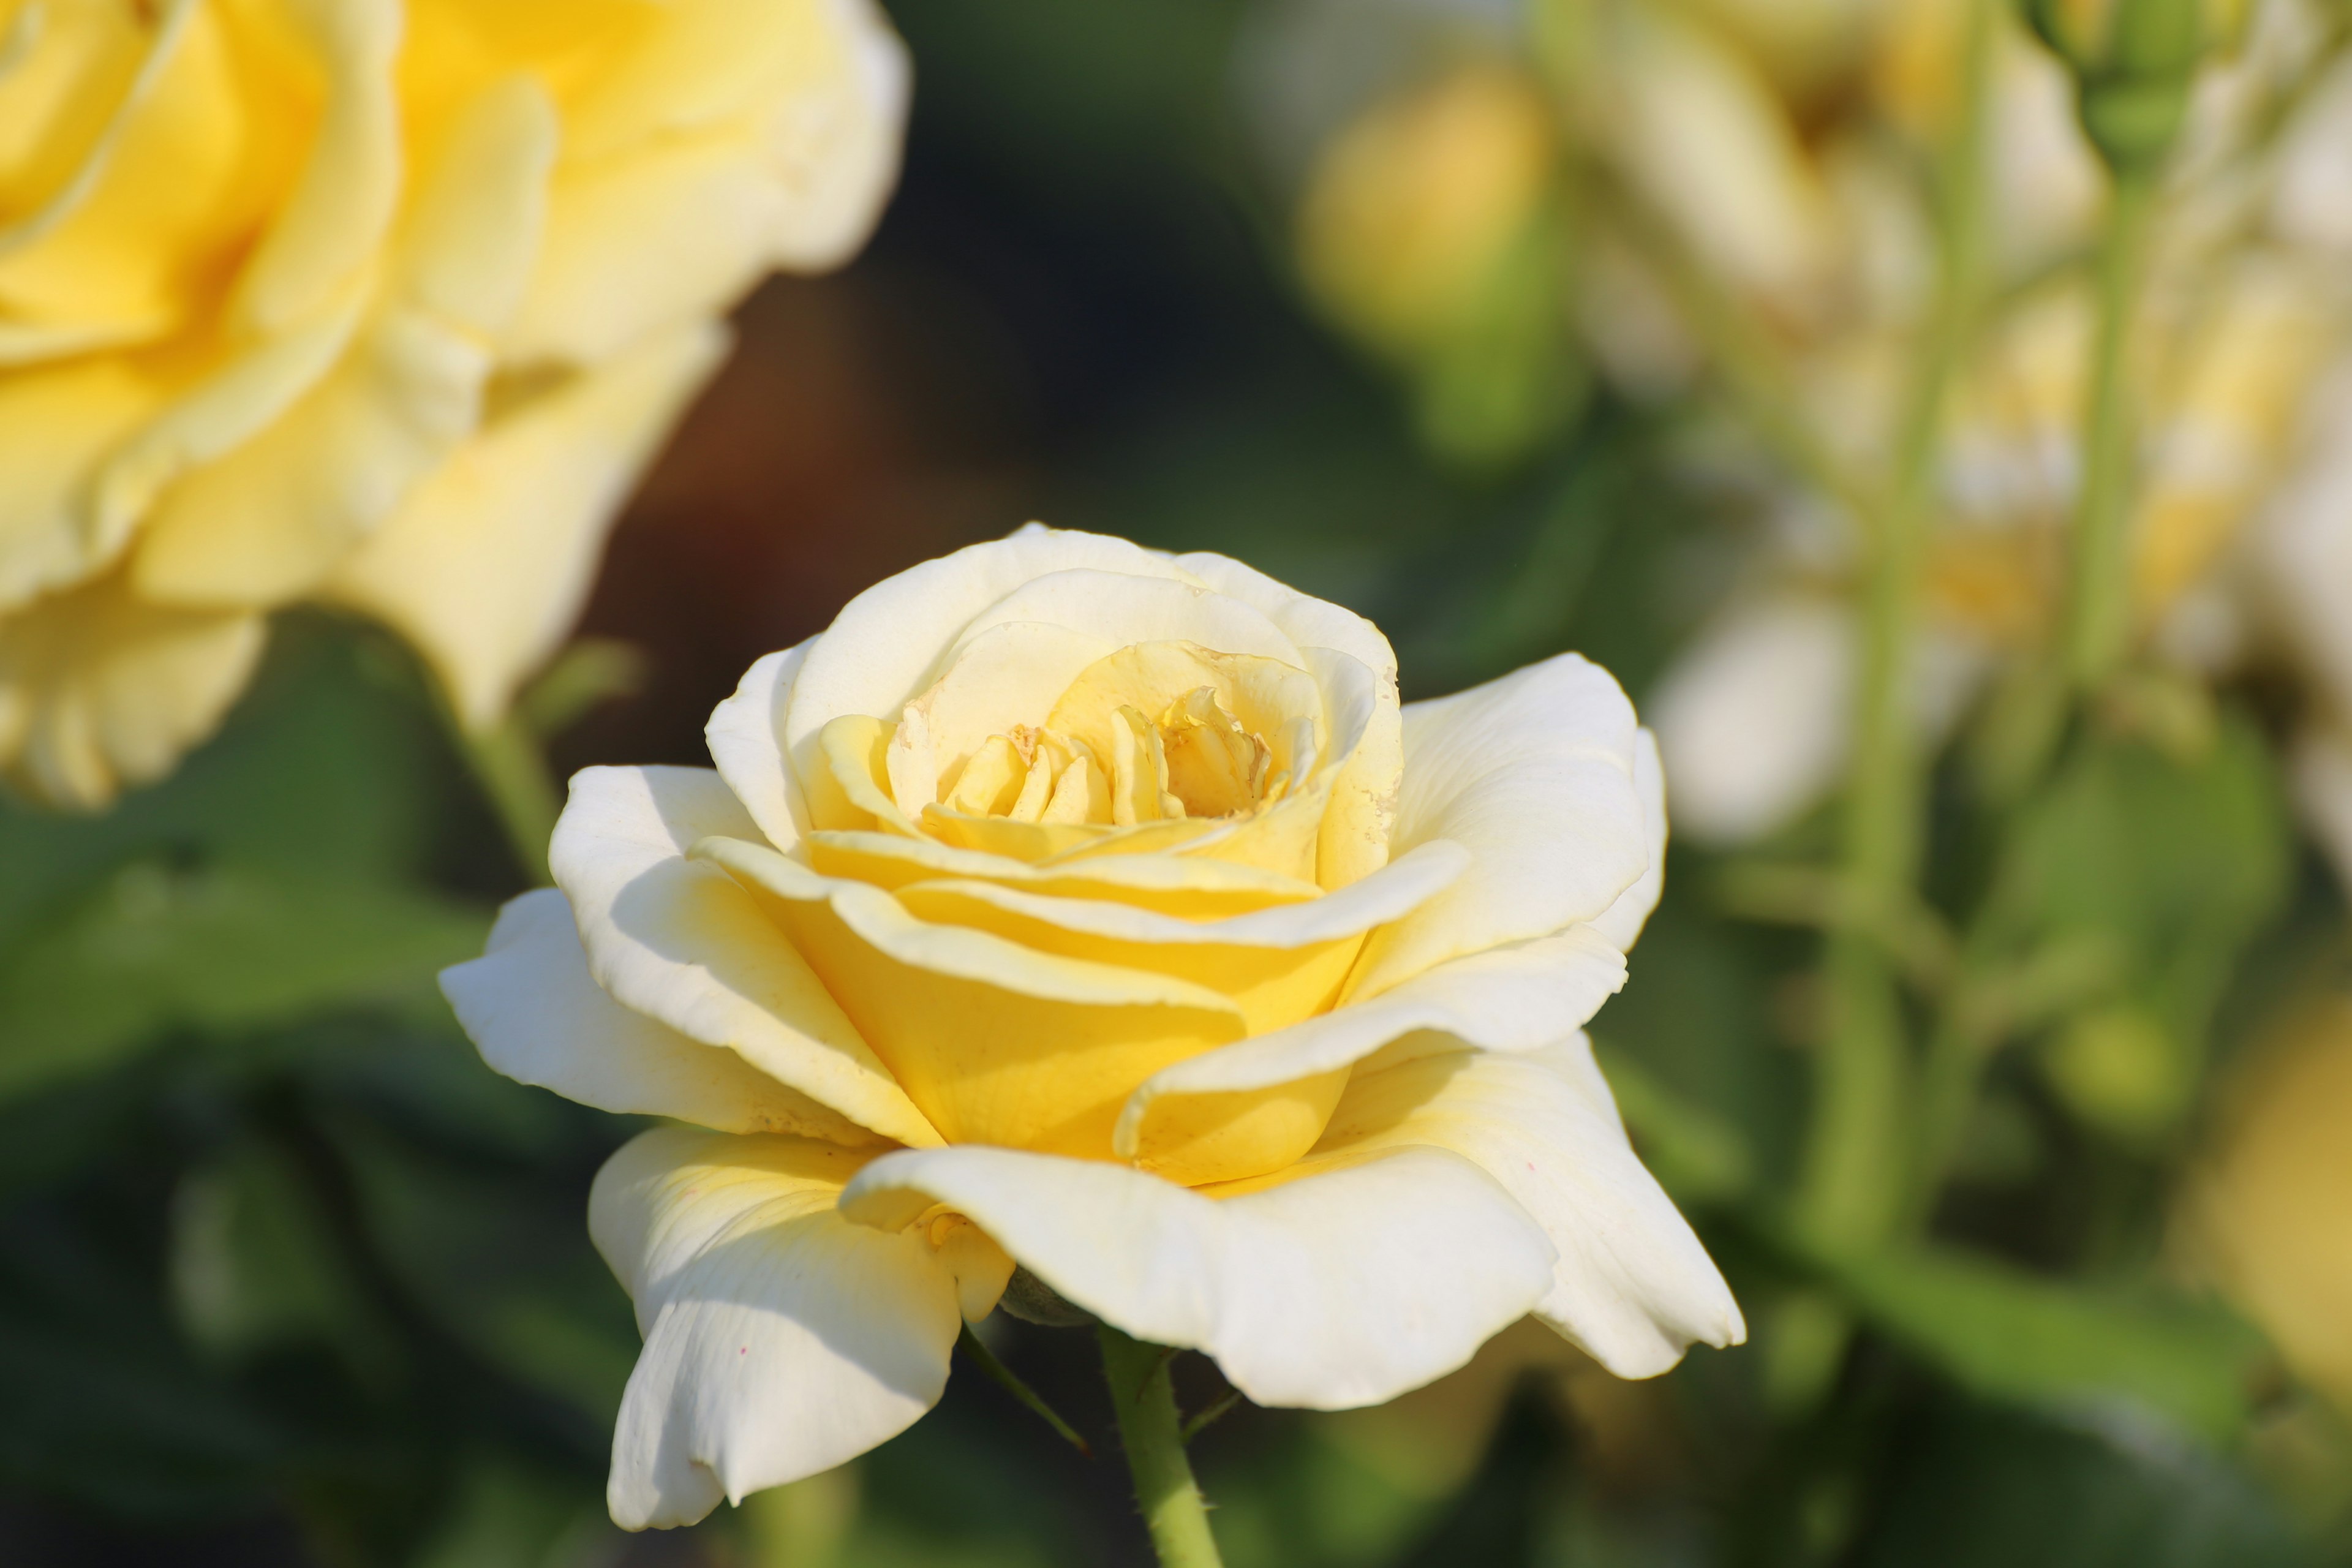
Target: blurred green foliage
column 286, row 1276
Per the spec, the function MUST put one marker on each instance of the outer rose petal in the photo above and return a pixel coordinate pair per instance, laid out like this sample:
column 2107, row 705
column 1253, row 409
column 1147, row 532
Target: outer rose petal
column 1513, row 998
column 1343, row 1288
column 487, row 564
column 1621, row 922
column 531, row 1005
column 99, row 689
column 780, row 1339
column 746, row 734
column 658, row 219
column 270, row 519
column 681, row 942
column 1632, row 1284
column 1533, row 774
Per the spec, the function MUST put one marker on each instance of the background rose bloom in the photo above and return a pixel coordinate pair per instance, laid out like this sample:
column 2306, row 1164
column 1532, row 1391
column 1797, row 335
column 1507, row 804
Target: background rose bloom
column 377, row 303
column 1083, row 907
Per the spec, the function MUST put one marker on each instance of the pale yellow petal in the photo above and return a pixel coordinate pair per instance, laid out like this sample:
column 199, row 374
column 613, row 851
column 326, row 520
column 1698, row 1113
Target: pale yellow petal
column 100, row 689
column 1201, row 1119
column 487, row 563
column 536, row 1015
column 997, row 1043
column 272, row 518
column 680, row 942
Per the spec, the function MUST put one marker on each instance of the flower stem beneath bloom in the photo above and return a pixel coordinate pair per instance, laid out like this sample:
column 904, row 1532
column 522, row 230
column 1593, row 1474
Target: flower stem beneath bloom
column 1145, row 1403
column 2098, row 625
column 508, row 764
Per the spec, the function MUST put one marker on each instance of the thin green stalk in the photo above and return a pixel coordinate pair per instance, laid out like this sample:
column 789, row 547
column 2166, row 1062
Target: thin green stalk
column 1006, row 1379
column 508, row 764
column 1145, row 1403
column 2098, row 625
column 1850, row 1185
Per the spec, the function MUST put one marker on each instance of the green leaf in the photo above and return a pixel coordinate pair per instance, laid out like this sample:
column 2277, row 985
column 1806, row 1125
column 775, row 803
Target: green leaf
column 154, row 948
column 2006, row 1335
column 1975, row 1486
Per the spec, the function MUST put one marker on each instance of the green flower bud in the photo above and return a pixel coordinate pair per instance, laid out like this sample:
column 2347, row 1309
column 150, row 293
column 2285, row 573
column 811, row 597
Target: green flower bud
column 2133, row 61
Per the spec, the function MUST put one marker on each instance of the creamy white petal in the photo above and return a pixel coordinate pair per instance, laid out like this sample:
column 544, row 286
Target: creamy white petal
column 1623, row 922
column 1632, row 1284
column 887, row 643
column 530, row 1006
column 1340, row 1289
column 781, row 1340
column 1533, row 774
column 746, row 735
column 1119, row 608
column 1517, row 997
column 682, row 942
column 1753, row 718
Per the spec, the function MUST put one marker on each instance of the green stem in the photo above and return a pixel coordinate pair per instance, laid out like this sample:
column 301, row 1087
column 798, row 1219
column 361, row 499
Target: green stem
column 1145, row 1403
column 1850, row 1185
column 2099, row 613
column 508, row 764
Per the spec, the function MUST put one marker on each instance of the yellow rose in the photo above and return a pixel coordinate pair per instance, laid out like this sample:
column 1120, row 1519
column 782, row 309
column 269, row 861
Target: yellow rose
column 1076, row 905
column 2264, row 1211
column 376, row 302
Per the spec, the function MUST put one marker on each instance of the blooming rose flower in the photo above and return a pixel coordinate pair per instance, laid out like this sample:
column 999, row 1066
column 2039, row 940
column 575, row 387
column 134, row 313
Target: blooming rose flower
column 1077, row 906
column 384, row 302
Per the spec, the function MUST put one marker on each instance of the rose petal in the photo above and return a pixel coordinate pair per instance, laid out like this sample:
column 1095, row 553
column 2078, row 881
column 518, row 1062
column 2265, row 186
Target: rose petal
column 1514, row 998
column 274, row 515
column 99, row 689
column 487, row 564
column 885, row 645
column 1632, row 1284
column 536, row 1013
column 1339, row 1290
column 781, row 1340
column 746, row 739
column 682, row 942
column 1533, row 774
column 1621, row 923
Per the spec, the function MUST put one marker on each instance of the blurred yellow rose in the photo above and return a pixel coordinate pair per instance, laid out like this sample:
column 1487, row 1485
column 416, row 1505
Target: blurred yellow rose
column 2267, row 1210
column 380, row 302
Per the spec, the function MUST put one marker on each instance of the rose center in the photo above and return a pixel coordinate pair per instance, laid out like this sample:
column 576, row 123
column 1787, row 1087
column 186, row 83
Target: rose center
column 1193, row 759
